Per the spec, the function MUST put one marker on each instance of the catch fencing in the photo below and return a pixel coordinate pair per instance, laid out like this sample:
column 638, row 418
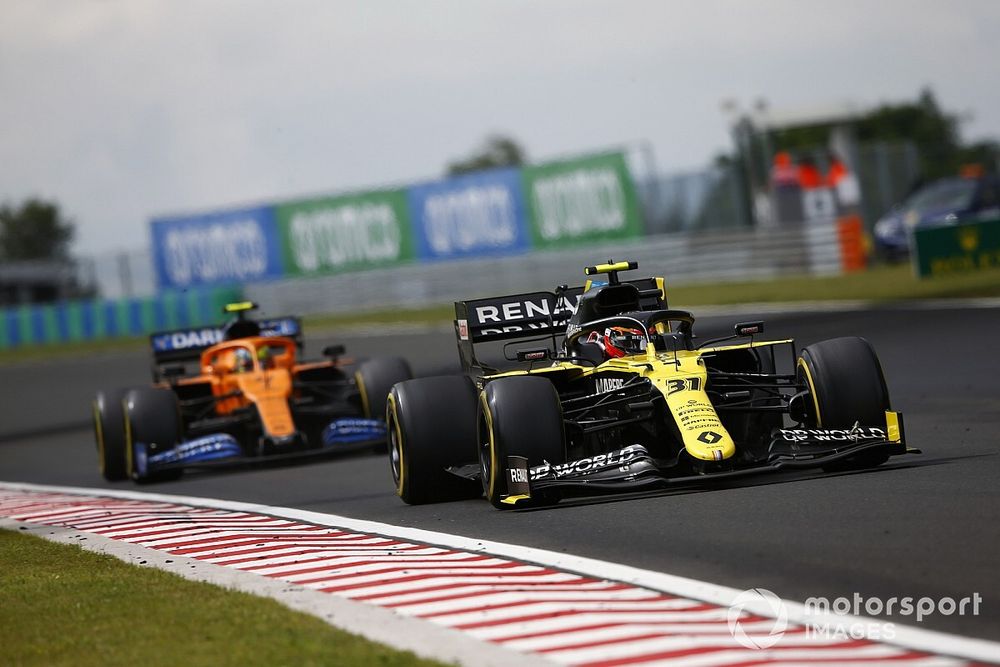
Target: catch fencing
column 682, row 258
column 734, row 255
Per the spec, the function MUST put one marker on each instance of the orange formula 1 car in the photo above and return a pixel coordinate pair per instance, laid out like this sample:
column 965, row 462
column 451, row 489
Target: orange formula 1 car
column 252, row 399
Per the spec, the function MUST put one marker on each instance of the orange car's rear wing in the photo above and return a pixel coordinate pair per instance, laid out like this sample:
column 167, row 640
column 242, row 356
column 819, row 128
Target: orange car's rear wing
column 187, row 344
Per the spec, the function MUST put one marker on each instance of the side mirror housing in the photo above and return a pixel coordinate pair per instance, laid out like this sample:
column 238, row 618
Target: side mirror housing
column 333, row 351
column 749, row 328
column 539, row 354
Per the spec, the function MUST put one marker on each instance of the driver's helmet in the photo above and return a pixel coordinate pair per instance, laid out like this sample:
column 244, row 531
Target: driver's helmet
column 243, row 361
column 619, row 341
column 265, row 357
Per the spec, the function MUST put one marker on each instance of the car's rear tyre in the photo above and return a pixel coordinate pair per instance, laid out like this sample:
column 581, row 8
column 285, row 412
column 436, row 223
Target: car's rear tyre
column 109, row 434
column 431, row 425
column 517, row 416
column 847, row 386
column 152, row 421
column 375, row 378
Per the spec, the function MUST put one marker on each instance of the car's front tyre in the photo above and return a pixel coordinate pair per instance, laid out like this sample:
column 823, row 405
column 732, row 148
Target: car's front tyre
column 109, row 434
column 152, row 424
column 517, row 416
column 431, row 424
column 847, row 386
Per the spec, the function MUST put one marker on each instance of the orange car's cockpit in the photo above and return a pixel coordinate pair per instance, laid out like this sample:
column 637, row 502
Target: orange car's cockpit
column 248, row 355
column 257, row 371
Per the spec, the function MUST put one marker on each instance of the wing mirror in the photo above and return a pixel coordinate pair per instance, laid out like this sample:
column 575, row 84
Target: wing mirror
column 333, row 351
column 749, row 328
column 539, row 354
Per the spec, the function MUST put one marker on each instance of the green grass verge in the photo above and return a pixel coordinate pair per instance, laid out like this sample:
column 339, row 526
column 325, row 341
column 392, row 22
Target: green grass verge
column 63, row 605
column 880, row 284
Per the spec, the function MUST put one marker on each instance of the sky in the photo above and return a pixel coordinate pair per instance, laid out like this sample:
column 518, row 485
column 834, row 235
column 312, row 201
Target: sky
column 122, row 110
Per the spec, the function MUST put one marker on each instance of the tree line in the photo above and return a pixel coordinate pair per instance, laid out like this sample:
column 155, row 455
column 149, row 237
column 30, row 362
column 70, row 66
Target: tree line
column 35, row 230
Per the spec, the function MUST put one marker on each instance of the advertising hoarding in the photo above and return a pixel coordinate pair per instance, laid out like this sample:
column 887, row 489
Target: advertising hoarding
column 337, row 234
column 585, row 200
column 217, row 248
column 474, row 215
column 971, row 246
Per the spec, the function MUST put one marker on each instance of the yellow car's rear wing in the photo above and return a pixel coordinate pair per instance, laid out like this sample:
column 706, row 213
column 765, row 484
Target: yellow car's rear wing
column 532, row 315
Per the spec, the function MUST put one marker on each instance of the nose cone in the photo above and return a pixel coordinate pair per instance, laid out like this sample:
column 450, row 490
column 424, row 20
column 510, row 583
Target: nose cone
column 704, row 436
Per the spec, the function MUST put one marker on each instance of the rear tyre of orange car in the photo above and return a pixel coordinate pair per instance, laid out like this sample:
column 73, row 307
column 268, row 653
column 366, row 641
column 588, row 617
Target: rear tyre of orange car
column 518, row 416
column 432, row 426
column 375, row 378
column 109, row 434
column 152, row 421
column 846, row 381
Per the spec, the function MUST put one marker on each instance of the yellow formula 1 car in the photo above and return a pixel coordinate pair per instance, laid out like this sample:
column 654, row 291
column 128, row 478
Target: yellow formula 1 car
column 610, row 390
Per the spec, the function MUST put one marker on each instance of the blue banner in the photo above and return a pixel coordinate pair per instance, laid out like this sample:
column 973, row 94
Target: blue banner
column 473, row 215
column 220, row 248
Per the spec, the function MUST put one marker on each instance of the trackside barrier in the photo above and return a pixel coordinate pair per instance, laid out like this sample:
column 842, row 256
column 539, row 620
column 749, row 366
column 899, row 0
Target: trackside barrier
column 100, row 319
column 682, row 258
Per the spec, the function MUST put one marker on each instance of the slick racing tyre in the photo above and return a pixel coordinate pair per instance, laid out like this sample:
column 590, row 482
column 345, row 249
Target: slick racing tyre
column 431, row 425
column 152, row 425
column 375, row 378
column 109, row 434
column 517, row 416
column 847, row 386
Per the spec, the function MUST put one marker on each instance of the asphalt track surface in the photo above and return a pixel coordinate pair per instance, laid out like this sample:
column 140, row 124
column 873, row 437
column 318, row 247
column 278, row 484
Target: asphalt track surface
column 925, row 525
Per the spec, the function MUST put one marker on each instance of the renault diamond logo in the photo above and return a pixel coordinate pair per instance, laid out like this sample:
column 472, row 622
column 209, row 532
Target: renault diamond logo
column 709, row 437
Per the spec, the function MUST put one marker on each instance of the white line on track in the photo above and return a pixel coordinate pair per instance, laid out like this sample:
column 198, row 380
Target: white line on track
column 468, row 614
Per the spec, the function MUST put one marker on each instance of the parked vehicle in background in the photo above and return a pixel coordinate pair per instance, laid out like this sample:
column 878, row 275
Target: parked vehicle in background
column 947, row 201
